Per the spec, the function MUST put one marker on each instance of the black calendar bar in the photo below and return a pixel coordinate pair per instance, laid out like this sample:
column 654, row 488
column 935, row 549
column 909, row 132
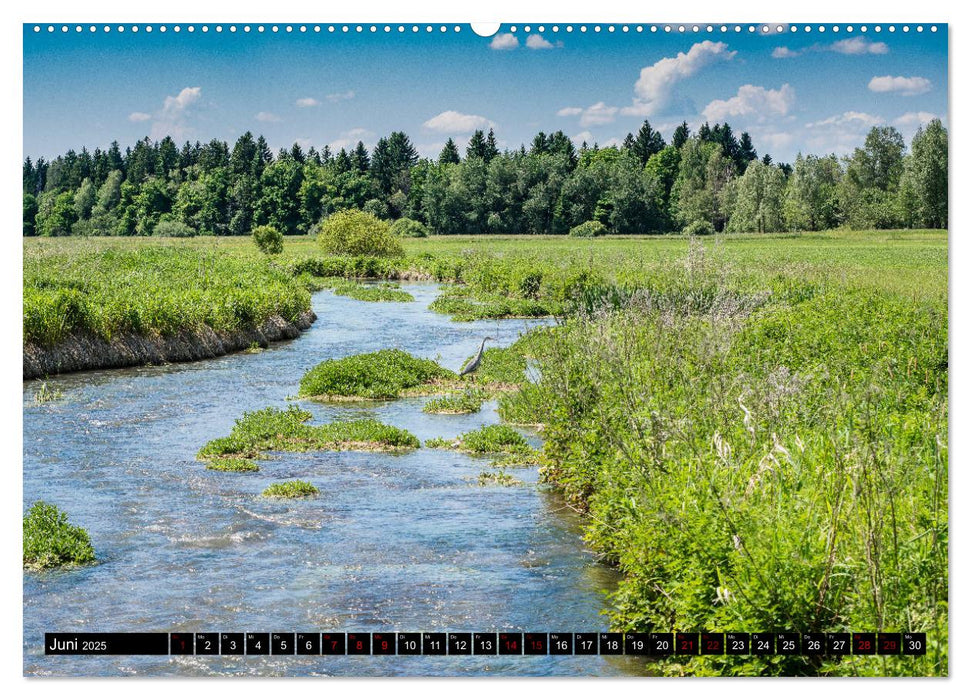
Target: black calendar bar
column 652, row 644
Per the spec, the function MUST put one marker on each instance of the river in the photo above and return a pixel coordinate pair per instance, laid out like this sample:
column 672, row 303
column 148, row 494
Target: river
column 393, row 543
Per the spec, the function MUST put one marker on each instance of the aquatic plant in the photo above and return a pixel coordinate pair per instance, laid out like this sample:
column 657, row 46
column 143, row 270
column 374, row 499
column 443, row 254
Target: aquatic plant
column 232, row 464
column 469, row 401
column 499, row 440
column 385, row 374
column 46, row 395
column 272, row 429
column 50, row 541
column 291, row 489
column 497, row 478
column 371, row 292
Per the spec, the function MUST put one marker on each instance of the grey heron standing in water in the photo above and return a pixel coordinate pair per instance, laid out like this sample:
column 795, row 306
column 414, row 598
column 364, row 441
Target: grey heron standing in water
column 474, row 363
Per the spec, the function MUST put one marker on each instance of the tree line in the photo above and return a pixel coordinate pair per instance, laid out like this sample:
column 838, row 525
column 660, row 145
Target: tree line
column 703, row 182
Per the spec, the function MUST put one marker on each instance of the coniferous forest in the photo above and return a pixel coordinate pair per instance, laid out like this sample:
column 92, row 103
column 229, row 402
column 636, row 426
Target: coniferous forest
column 701, row 182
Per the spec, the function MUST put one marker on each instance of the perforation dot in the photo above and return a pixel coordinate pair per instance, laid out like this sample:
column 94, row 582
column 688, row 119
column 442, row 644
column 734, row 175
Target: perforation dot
column 891, row 28
column 934, row 28
column 906, row 28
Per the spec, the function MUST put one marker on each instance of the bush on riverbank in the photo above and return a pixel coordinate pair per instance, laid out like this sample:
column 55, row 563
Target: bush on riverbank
column 271, row 429
column 50, row 541
column 409, row 228
column 375, row 375
column 354, row 232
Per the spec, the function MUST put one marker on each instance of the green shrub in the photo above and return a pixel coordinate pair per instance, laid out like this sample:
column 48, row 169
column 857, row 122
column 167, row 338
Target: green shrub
column 699, row 228
column 354, row 232
column 377, row 207
column 588, row 229
column 51, row 541
column 268, row 239
column 409, row 228
column 173, row 228
column 376, row 375
column 291, row 489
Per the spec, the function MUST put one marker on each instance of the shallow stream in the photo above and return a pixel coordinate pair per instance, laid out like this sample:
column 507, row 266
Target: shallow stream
column 393, row 543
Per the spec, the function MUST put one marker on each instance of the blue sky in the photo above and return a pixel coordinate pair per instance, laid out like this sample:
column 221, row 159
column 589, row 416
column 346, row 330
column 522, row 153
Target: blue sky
column 793, row 91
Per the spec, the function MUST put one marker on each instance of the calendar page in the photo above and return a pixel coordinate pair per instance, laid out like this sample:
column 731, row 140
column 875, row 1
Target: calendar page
column 533, row 349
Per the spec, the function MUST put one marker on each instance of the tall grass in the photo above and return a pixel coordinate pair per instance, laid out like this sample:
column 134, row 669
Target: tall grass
column 150, row 290
column 759, row 461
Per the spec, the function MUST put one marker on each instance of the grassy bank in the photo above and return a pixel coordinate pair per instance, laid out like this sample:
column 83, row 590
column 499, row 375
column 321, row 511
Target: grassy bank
column 96, row 286
column 761, row 452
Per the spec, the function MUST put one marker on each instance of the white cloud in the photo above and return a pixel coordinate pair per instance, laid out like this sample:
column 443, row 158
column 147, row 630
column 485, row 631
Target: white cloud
column 914, row 119
column 857, row 118
column 340, row 96
column 452, row 122
column 840, row 133
column 536, row 41
column 177, row 105
column 139, row 117
column 858, row 46
column 569, row 111
column 171, row 119
column 578, row 139
column 503, row 42
column 914, row 85
column 653, row 89
column 598, row 113
column 752, row 100
column 267, row 117
column 783, row 52
column 307, row 102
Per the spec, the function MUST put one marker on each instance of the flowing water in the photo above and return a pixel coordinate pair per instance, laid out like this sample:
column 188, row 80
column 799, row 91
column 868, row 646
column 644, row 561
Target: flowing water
column 394, row 542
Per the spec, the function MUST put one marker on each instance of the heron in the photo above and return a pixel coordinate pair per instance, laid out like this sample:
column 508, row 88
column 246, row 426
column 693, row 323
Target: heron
column 474, row 363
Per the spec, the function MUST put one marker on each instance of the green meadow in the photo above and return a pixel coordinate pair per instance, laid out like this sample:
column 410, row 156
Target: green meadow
column 754, row 427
